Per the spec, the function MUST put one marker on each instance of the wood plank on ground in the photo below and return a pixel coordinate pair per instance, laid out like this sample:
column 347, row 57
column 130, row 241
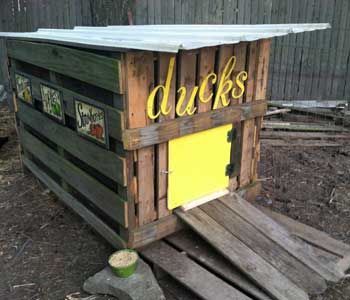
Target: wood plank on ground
column 296, row 271
column 303, row 143
column 201, row 251
column 274, row 283
column 299, row 126
column 282, row 237
column 290, row 135
column 190, row 274
column 311, row 235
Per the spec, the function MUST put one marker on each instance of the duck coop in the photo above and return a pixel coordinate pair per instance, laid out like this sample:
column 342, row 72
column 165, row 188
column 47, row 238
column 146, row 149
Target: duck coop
column 125, row 124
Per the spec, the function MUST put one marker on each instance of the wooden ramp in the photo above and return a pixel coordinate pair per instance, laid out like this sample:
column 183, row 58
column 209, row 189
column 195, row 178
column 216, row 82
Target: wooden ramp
column 238, row 251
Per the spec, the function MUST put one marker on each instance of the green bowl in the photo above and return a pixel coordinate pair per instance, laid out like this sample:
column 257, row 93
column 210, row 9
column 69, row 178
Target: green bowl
column 124, row 271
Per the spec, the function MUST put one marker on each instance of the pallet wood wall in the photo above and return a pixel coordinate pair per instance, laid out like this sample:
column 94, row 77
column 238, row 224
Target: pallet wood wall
column 90, row 178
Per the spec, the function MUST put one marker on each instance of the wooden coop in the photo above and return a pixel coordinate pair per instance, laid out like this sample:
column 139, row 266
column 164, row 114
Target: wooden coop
column 125, row 124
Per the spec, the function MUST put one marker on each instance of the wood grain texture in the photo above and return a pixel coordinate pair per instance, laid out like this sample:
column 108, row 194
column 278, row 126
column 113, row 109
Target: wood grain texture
column 260, row 93
column 201, row 252
column 162, row 149
column 104, row 161
column 139, row 68
column 248, row 127
column 206, row 65
column 311, row 235
column 161, row 132
column 95, row 69
column 155, row 231
column 282, row 237
column 186, row 75
column 105, row 199
column 247, row 261
column 104, row 230
column 189, row 273
column 296, row 271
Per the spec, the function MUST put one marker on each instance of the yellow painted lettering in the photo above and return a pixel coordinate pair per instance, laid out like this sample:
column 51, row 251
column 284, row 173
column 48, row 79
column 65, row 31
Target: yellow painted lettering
column 225, row 84
column 240, row 79
column 189, row 109
column 164, row 107
column 203, row 88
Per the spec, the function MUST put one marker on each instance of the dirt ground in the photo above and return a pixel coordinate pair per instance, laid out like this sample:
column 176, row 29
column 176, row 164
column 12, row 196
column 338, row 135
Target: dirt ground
column 46, row 251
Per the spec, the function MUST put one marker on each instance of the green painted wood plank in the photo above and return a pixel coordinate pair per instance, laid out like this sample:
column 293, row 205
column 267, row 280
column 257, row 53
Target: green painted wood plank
column 106, row 162
column 95, row 69
column 105, row 199
column 115, row 118
column 104, row 230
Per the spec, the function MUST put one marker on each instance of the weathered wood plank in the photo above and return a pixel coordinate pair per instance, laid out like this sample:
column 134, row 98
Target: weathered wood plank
column 139, row 72
column 248, row 127
column 282, row 237
column 104, row 230
column 106, row 162
column 162, row 149
column 290, row 135
column 154, row 231
column 161, row 132
column 308, row 143
column 311, row 235
column 206, row 65
column 296, row 271
column 260, row 93
column 296, row 126
column 247, row 261
column 190, row 274
column 200, row 251
column 104, row 198
column 95, row 69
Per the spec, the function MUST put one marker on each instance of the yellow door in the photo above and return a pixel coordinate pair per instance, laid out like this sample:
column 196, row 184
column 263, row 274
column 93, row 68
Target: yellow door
column 197, row 165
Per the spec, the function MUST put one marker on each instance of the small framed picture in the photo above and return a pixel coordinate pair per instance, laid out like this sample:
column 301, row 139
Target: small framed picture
column 24, row 88
column 52, row 102
column 91, row 122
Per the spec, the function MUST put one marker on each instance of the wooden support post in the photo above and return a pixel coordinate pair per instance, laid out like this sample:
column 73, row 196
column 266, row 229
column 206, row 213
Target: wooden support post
column 162, row 149
column 260, row 94
column 139, row 81
column 249, row 125
column 240, row 52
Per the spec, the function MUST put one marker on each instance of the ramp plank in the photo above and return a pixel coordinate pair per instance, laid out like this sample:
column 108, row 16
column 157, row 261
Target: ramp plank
column 310, row 234
column 282, row 237
column 193, row 276
column 293, row 269
column 327, row 248
column 247, row 261
column 200, row 251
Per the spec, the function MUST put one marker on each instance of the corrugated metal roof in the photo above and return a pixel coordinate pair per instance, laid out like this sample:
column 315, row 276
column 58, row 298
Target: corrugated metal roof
column 164, row 38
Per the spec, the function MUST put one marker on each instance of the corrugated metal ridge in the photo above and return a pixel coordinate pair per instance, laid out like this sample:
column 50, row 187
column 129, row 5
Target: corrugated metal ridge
column 165, row 38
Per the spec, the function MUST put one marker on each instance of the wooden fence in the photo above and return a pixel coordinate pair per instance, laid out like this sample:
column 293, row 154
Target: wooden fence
column 306, row 66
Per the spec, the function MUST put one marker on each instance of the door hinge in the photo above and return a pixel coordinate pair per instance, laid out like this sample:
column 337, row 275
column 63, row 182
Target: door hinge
column 231, row 135
column 230, row 168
